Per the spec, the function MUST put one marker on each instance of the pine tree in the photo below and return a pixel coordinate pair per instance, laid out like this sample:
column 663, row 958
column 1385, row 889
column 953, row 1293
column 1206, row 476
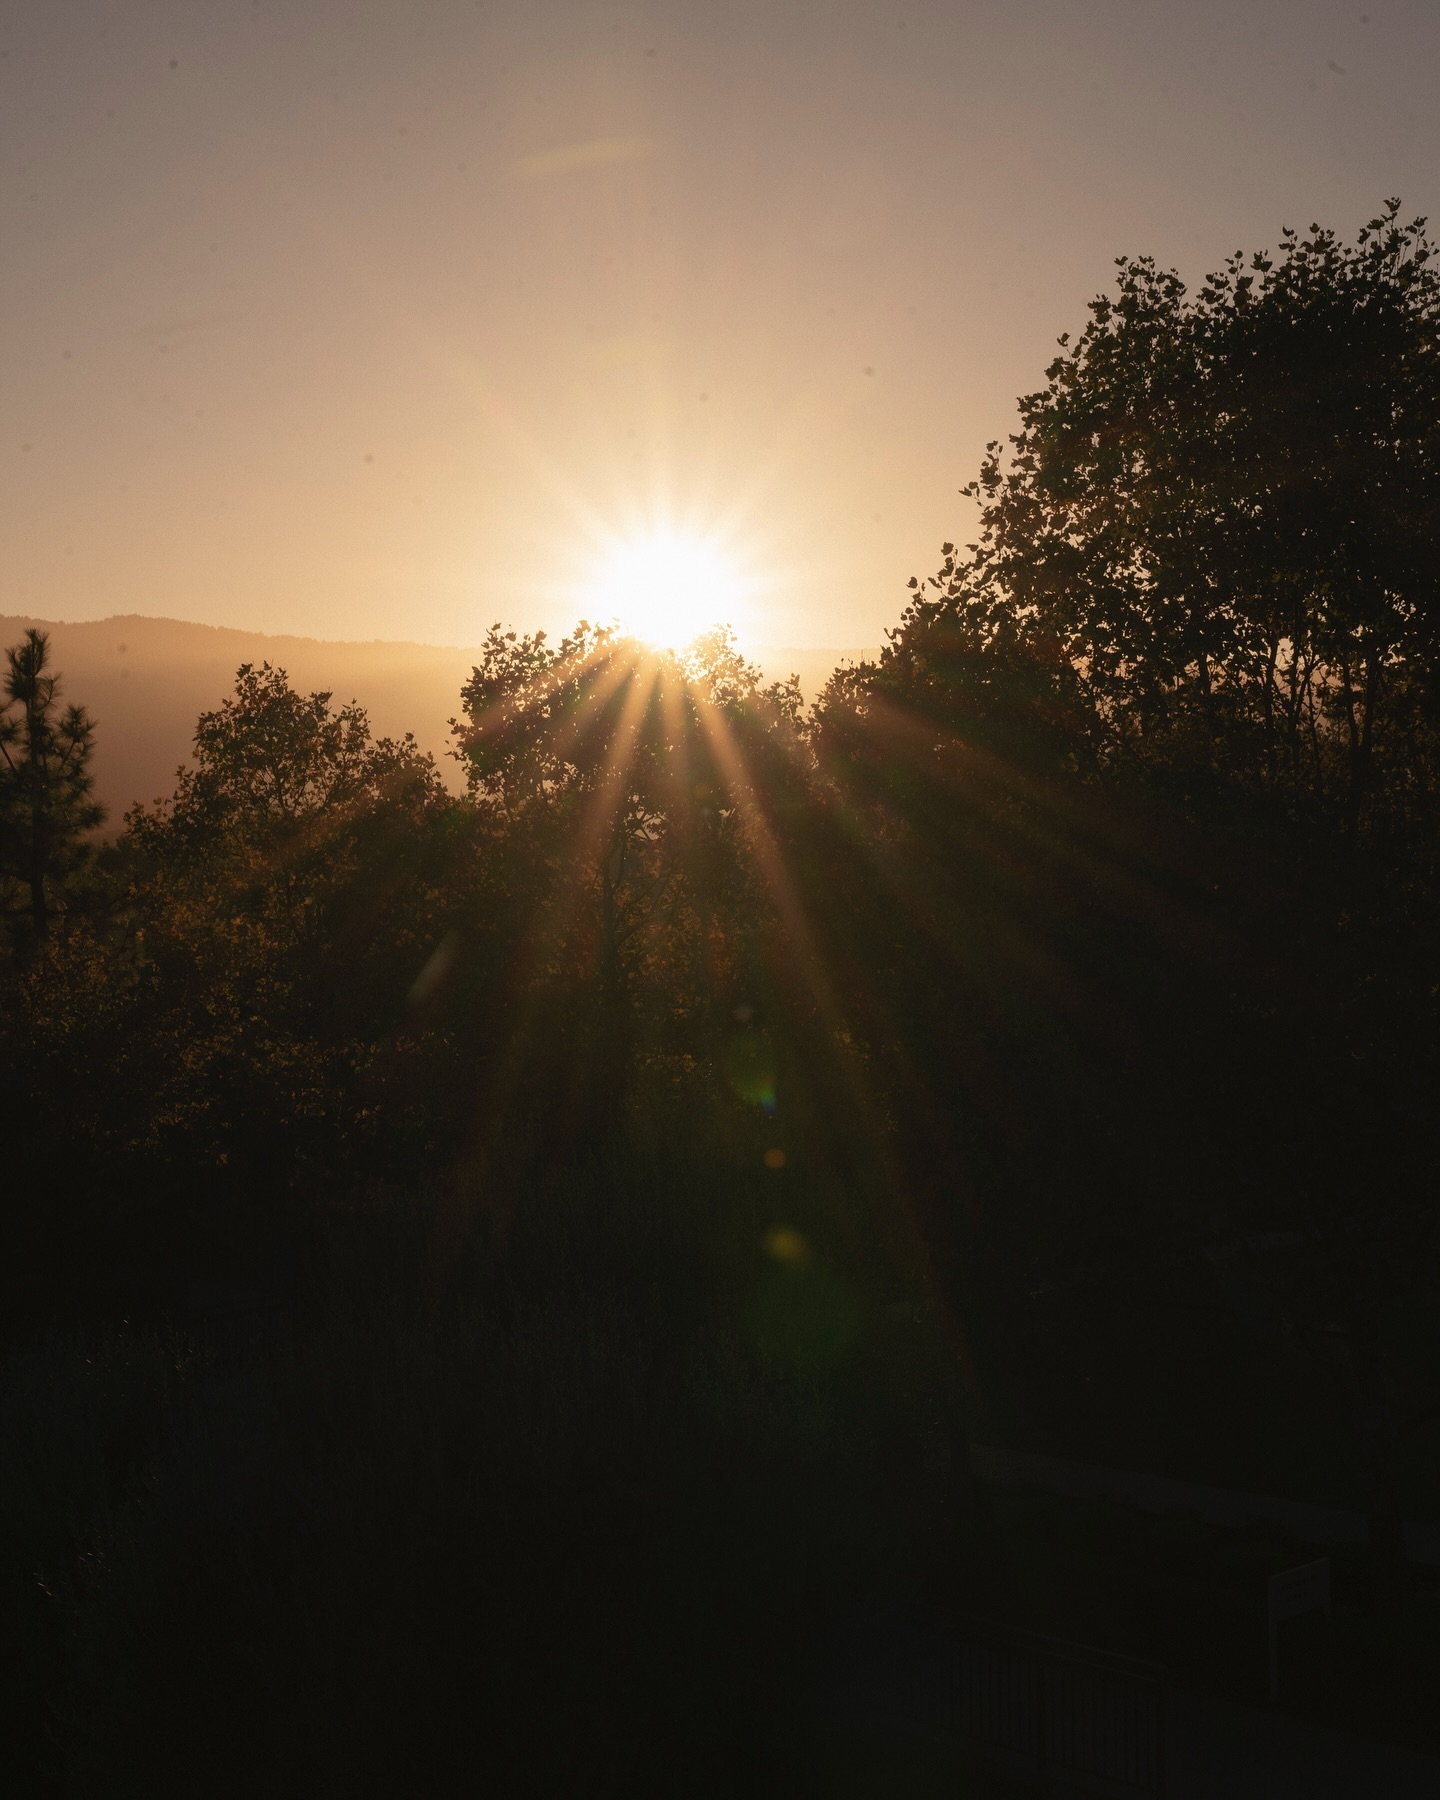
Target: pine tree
column 45, row 782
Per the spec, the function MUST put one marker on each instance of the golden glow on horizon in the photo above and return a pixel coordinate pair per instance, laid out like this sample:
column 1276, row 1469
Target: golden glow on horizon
column 666, row 587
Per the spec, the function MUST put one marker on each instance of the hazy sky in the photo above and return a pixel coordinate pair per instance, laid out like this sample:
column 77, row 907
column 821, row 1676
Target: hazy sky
column 380, row 319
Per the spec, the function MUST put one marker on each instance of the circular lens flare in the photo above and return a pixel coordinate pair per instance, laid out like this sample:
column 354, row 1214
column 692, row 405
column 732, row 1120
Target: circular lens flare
column 667, row 587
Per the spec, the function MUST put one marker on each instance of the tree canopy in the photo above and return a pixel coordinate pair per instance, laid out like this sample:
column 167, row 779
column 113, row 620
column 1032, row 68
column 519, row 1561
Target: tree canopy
column 1038, row 1036
column 45, row 782
column 1218, row 526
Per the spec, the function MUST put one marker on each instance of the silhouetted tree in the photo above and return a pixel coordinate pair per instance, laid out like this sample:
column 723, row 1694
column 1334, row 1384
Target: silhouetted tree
column 271, row 918
column 622, row 778
column 1074, row 961
column 1203, row 593
column 269, row 763
column 45, row 780
column 1223, row 514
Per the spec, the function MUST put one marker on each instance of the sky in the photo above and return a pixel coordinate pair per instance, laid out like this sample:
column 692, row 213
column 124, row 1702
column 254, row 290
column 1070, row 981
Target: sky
column 389, row 320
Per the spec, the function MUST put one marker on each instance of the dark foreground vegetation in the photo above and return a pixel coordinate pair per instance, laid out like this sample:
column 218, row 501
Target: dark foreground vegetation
column 498, row 1290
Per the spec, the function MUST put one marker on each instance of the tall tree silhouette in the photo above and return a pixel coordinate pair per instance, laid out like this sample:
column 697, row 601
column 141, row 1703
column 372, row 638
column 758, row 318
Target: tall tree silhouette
column 619, row 775
column 1203, row 593
column 270, row 764
column 45, row 780
column 1219, row 522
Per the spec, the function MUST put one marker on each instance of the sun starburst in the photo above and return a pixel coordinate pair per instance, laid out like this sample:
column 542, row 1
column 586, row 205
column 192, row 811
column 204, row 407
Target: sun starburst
column 667, row 586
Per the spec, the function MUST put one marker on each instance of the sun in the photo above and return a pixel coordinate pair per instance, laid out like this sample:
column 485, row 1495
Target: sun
column 666, row 587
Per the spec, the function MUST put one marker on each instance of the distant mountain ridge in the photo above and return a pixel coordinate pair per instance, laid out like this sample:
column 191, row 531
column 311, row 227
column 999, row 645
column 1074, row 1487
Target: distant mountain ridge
column 147, row 680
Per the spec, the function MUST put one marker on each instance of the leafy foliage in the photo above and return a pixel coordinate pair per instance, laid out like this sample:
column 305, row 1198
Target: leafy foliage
column 1221, row 514
column 45, row 782
column 1169, row 727
column 693, row 1130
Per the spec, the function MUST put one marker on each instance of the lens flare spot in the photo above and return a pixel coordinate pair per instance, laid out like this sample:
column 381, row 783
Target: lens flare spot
column 749, row 1065
column 787, row 1246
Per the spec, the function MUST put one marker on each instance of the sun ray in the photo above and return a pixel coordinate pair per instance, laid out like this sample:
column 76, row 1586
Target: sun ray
column 599, row 816
column 783, row 890
column 470, row 1183
column 606, row 677
column 804, row 946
